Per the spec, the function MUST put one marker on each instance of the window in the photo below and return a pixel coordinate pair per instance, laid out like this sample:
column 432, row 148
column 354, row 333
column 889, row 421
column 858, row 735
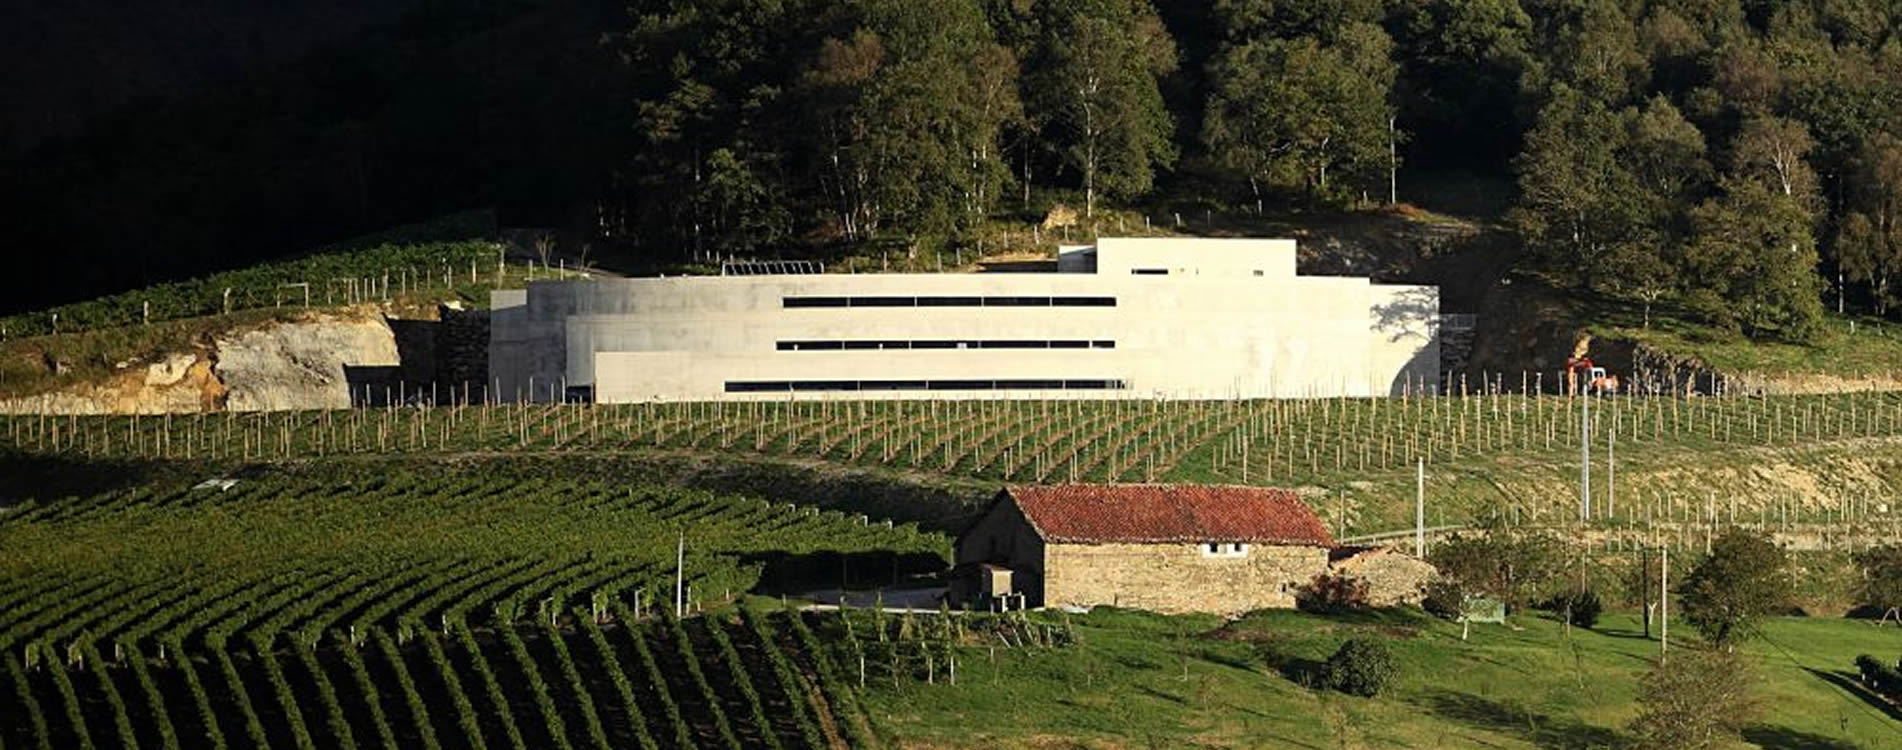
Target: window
column 1257, row 272
column 881, row 301
column 873, row 344
column 1149, row 271
column 1050, row 384
column 1225, row 549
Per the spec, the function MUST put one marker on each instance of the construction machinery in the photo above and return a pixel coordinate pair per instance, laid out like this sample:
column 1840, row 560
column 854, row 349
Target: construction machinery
column 1582, row 376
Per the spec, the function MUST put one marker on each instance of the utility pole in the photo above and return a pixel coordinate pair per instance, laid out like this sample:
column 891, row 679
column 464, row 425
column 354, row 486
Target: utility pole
column 1419, row 509
column 680, row 573
column 1585, row 457
column 1611, row 471
column 1664, row 605
column 1644, row 587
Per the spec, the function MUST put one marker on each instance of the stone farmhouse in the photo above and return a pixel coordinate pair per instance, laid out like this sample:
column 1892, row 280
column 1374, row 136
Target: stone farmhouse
column 1164, row 547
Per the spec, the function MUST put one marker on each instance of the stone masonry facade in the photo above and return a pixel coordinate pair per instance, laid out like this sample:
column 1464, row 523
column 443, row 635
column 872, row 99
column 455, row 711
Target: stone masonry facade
column 1177, row 578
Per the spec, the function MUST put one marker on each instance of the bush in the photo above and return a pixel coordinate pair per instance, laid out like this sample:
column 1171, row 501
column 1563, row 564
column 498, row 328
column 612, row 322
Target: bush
column 1445, row 598
column 1700, row 699
column 1362, row 666
column 1330, row 594
column 1580, row 608
column 1880, row 677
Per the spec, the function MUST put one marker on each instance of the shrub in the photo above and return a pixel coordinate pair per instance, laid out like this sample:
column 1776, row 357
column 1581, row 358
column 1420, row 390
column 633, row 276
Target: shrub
column 1331, row 594
column 1743, row 578
column 1362, row 666
column 1580, row 608
column 1700, row 699
column 1880, row 677
column 1445, row 598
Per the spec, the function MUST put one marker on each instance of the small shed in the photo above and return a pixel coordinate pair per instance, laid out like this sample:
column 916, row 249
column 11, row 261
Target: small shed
column 1162, row 547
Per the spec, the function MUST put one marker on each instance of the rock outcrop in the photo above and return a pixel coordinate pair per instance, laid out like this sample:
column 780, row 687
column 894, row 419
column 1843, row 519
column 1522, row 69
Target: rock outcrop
column 305, row 365
column 309, row 362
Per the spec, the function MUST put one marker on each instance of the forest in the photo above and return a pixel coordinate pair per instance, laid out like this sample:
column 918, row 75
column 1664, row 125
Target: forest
column 1739, row 160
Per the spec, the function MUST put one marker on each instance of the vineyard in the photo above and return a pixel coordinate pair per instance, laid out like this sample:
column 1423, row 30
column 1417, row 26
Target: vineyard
column 1654, row 456
column 422, row 612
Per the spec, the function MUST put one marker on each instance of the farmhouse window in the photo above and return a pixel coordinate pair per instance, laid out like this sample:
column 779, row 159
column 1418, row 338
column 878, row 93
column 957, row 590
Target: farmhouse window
column 1225, row 549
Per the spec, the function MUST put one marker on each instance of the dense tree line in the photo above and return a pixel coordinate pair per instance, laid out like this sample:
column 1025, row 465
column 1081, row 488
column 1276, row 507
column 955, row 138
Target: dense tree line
column 1739, row 159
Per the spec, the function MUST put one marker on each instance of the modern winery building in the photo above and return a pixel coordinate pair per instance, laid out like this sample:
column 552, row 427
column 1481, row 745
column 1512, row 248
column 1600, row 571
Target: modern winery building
column 1124, row 318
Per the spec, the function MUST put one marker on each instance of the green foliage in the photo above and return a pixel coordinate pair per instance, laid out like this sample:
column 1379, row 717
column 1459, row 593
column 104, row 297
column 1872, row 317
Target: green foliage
column 1095, row 90
column 1695, row 700
column 1516, row 566
column 1580, row 608
column 1363, row 666
column 1332, row 594
column 1744, row 578
column 1302, row 112
column 1445, row 598
column 1884, row 678
column 1881, row 584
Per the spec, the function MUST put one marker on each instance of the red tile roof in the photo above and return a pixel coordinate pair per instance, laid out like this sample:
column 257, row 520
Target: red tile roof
column 1091, row 513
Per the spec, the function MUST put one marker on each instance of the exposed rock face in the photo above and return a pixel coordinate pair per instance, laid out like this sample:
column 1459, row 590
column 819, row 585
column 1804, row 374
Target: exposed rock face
column 303, row 365
column 181, row 382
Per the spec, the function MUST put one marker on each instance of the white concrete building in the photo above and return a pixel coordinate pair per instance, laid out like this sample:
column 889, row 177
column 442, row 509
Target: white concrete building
column 1124, row 318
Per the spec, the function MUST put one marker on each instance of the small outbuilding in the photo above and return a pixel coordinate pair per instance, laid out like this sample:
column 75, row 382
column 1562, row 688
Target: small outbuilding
column 1162, row 547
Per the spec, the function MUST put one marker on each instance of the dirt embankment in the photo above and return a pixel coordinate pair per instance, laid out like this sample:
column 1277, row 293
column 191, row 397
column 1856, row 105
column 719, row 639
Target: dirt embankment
column 305, row 363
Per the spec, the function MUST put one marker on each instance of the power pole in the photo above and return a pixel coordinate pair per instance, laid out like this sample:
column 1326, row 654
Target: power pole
column 1664, row 605
column 1419, row 509
column 680, row 573
column 1585, row 457
column 1611, row 471
column 1644, row 587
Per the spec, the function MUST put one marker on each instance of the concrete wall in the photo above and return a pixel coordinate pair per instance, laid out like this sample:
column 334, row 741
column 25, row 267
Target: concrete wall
column 1176, row 578
column 1210, row 328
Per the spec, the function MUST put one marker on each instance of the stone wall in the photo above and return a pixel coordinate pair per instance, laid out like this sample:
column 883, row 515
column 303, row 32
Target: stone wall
column 1393, row 578
column 1176, row 578
column 1003, row 536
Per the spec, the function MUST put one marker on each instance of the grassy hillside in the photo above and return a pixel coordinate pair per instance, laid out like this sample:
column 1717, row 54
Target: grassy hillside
column 320, row 605
column 1661, row 464
column 1134, row 680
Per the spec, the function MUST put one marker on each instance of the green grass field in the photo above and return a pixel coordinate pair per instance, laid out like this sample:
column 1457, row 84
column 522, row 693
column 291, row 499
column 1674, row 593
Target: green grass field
column 1137, row 680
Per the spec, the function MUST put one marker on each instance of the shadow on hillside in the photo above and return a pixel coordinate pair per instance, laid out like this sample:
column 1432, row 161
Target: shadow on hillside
column 787, row 573
column 1783, row 738
column 1556, row 733
column 1847, row 682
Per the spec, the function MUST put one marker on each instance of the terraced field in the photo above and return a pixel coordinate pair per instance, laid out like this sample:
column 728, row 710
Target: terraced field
column 1801, row 458
column 421, row 612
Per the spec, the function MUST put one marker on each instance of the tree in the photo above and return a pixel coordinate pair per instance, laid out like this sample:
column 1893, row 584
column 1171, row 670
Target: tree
column 1097, row 90
column 1743, row 578
column 1300, row 112
column 1869, row 242
column 1517, row 567
column 1698, row 699
column 1581, row 207
column 904, row 117
column 1881, row 585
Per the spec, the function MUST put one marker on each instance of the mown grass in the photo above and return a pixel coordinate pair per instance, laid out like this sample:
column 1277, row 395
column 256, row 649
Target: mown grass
column 1139, row 680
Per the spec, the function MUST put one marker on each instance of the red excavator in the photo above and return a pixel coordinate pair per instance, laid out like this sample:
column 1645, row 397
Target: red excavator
column 1581, row 376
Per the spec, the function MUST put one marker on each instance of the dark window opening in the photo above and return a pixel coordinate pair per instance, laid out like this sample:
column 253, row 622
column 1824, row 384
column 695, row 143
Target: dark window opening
column 1149, row 271
column 786, row 386
column 948, row 301
column 814, row 301
column 877, row 344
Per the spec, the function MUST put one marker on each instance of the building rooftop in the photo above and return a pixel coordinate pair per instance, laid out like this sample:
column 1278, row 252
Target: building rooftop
column 1165, row 513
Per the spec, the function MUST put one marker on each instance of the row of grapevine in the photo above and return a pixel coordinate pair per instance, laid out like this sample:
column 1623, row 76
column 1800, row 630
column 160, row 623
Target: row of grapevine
column 572, row 685
column 1124, row 440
